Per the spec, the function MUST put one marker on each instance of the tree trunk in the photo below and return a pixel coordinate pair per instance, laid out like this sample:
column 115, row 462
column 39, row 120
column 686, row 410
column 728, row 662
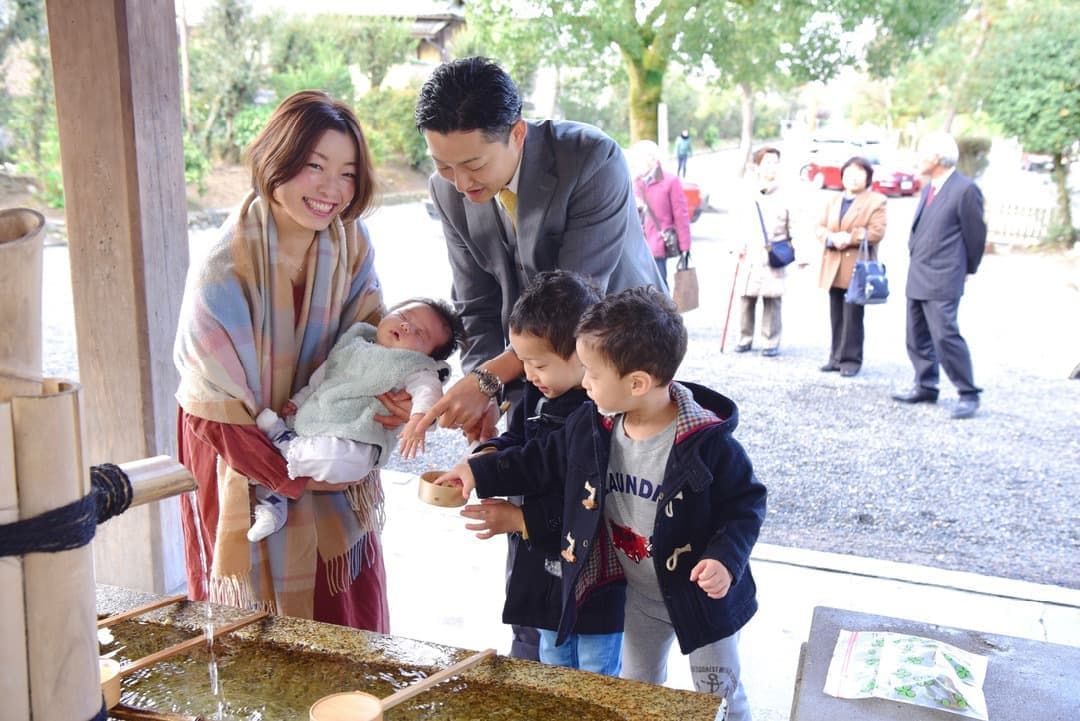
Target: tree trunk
column 1064, row 232
column 646, row 88
column 973, row 57
column 746, row 136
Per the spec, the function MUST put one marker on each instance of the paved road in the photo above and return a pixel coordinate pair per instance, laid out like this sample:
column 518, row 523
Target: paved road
column 848, row 470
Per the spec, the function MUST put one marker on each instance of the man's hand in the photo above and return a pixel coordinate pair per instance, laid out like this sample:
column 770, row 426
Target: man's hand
column 465, row 408
column 712, row 577
column 494, row 516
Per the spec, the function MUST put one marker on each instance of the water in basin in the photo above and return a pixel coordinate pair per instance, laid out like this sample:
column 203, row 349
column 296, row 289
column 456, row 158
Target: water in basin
column 262, row 681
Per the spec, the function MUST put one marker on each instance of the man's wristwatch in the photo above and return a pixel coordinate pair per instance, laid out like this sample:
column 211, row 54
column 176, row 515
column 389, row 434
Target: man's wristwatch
column 489, row 383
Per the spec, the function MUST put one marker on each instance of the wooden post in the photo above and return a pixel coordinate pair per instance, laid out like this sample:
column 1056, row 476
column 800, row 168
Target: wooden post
column 117, row 80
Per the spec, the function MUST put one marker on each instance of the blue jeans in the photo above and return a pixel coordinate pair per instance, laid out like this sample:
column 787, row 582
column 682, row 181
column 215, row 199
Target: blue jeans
column 596, row 652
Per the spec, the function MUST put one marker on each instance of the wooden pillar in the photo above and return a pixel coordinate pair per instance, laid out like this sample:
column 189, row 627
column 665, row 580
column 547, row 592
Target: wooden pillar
column 117, row 81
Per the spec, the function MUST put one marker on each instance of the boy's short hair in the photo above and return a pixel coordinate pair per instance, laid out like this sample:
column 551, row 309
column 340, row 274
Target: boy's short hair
column 450, row 317
column 638, row 329
column 551, row 307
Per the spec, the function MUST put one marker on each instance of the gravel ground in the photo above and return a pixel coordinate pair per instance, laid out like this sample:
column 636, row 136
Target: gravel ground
column 849, row 470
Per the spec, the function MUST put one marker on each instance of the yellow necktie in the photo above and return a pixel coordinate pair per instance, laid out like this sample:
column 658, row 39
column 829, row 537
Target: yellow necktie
column 508, row 198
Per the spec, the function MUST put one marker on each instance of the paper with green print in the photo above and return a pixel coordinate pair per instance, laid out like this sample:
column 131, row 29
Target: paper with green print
column 908, row 669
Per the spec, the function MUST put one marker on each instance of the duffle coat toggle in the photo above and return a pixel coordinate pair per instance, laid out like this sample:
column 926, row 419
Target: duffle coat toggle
column 673, row 559
column 669, row 511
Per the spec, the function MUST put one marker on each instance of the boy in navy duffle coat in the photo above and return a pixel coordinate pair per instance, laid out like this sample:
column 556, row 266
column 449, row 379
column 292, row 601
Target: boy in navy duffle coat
column 651, row 470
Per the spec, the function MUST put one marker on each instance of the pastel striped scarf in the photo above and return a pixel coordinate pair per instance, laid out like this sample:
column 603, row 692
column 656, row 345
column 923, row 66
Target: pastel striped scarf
column 238, row 351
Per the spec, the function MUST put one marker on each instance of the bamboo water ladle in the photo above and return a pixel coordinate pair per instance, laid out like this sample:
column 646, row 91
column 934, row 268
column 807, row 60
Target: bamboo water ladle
column 360, row 706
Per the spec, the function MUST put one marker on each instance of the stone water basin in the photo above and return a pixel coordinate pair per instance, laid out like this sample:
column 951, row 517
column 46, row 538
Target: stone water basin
column 275, row 669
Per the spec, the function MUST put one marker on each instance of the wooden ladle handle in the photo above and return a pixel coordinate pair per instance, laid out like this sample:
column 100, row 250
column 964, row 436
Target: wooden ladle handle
column 435, row 678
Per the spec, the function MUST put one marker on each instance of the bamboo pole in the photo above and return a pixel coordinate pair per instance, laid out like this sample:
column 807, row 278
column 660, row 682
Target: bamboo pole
column 157, row 478
column 59, row 590
column 191, row 643
column 21, row 232
column 118, row 617
column 14, row 681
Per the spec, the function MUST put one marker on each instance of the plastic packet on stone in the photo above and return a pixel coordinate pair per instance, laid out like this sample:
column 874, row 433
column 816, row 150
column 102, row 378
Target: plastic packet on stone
column 909, row 669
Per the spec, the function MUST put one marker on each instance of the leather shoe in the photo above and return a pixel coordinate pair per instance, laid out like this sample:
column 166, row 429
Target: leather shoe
column 742, row 348
column 829, row 368
column 917, row 394
column 966, row 407
column 770, row 352
column 848, row 372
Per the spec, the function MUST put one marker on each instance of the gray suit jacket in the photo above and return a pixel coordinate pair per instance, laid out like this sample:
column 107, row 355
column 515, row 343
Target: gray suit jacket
column 576, row 211
column 947, row 240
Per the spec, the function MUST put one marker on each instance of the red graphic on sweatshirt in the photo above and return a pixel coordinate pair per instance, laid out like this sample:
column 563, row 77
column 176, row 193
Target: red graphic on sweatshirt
column 634, row 546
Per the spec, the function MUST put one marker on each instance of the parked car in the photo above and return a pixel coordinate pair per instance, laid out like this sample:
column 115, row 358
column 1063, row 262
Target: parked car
column 1036, row 161
column 892, row 182
column 696, row 199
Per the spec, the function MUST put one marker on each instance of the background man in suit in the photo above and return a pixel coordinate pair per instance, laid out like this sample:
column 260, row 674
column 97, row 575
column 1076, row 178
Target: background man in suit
column 517, row 198
column 948, row 236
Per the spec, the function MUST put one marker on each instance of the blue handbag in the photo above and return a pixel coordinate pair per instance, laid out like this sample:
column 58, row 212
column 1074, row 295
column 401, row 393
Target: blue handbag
column 781, row 252
column 868, row 285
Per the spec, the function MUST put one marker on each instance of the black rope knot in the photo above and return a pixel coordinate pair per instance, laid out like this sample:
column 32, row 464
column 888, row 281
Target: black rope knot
column 71, row 526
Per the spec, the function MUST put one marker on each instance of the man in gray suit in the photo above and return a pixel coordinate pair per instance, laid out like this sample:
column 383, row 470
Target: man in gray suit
column 948, row 236
column 515, row 198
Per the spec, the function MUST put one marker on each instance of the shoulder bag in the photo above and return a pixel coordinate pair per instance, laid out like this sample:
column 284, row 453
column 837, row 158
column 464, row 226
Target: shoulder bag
column 670, row 235
column 868, row 285
column 781, row 252
column 685, row 292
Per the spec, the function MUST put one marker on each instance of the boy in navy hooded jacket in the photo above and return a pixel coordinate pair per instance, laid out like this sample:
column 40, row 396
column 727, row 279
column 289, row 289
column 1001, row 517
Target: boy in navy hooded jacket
column 652, row 471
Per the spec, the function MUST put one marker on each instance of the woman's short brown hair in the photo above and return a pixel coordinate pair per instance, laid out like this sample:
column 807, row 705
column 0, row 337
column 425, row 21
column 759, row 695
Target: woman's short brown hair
column 285, row 145
column 763, row 151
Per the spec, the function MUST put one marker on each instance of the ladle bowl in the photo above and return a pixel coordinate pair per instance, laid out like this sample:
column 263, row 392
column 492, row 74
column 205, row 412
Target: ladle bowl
column 361, row 706
column 110, row 681
column 445, row 496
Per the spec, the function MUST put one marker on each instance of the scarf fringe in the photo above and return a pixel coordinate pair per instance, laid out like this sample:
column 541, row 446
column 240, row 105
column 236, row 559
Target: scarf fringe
column 234, row 590
column 366, row 500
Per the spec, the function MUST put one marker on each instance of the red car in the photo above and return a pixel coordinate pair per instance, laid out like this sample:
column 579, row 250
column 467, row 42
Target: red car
column 890, row 182
column 696, row 201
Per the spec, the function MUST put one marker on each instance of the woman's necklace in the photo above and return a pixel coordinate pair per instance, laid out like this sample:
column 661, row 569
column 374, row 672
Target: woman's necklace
column 296, row 264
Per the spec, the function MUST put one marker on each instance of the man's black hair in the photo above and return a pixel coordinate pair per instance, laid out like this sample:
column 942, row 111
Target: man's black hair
column 551, row 307
column 469, row 94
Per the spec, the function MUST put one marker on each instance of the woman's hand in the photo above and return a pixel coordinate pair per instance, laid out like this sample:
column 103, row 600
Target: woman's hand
column 494, row 516
column 399, row 403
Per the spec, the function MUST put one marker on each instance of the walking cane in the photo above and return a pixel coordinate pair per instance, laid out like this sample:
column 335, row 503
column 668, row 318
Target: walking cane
column 730, row 302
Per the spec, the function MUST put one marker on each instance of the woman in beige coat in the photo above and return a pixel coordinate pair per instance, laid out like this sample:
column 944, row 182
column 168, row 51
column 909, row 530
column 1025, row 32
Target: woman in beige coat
column 756, row 278
column 848, row 218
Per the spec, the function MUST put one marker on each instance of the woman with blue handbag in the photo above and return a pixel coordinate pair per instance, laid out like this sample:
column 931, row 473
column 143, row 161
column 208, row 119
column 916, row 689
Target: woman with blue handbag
column 765, row 255
column 856, row 215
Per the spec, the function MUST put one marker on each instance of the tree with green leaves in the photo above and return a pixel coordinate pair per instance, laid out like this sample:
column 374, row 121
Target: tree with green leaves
column 1033, row 89
column 650, row 36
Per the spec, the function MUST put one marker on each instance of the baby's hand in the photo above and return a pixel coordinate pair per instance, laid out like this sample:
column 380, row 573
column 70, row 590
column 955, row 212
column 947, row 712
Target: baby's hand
column 459, row 474
column 289, row 409
column 494, row 516
column 413, row 439
column 712, row 576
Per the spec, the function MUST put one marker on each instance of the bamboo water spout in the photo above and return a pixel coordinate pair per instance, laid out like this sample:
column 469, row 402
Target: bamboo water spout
column 47, row 591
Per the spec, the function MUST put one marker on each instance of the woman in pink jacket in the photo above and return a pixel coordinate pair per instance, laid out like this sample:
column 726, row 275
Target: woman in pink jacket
column 661, row 202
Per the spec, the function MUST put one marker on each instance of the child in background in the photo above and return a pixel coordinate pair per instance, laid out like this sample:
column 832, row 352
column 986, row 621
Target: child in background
column 652, row 471
column 327, row 429
column 542, row 327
